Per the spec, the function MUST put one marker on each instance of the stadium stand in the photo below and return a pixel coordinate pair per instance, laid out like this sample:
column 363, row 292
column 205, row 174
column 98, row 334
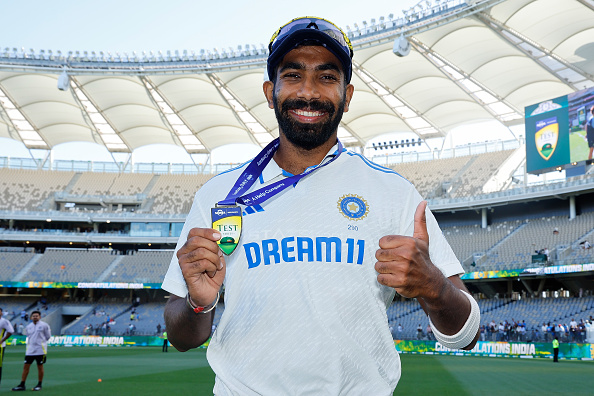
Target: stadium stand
column 145, row 321
column 96, row 315
column 482, row 239
column 12, row 307
column 96, row 183
column 143, row 266
column 174, row 193
column 477, row 173
column 70, row 265
column 452, row 177
column 146, row 318
column 23, row 189
column 532, row 311
column 12, row 262
column 516, row 251
column 33, row 190
column 430, row 177
column 536, row 311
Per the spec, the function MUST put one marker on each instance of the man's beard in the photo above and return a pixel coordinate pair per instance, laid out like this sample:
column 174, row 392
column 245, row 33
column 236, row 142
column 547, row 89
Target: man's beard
column 308, row 136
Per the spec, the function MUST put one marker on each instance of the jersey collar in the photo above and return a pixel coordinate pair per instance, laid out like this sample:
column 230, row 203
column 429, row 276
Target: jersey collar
column 273, row 171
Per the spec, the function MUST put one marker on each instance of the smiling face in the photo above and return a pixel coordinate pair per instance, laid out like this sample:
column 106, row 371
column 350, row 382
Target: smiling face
column 309, row 96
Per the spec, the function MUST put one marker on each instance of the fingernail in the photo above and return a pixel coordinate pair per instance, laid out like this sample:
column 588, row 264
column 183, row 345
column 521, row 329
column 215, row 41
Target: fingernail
column 220, row 253
column 221, row 266
column 216, row 236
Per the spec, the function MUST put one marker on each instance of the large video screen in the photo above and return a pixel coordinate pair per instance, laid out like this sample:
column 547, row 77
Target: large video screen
column 560, row 132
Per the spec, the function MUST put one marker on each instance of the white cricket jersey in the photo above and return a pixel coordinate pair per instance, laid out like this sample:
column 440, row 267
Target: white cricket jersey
column 304, row 312
column 37, row 336
column 5, row 327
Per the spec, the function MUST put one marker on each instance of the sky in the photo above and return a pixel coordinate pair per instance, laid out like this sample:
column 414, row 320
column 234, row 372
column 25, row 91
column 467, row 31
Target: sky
column 133, row 25
column 148, row 25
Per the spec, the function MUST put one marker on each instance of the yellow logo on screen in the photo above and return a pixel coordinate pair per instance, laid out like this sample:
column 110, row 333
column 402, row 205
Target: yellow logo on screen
column 546, row 140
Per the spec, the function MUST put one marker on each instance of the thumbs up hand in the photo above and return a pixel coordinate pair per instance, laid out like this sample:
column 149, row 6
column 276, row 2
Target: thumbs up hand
column 404, row 262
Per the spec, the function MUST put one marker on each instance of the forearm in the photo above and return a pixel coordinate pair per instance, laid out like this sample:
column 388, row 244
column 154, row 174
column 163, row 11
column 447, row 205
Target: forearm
column 448, row 308
column 186, row 329
column 6, row 337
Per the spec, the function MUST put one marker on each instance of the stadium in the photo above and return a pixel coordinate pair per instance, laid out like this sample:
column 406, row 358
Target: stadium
column 88, row 242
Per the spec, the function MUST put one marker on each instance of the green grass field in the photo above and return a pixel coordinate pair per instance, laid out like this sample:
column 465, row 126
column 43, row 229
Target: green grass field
column 578, row 144
column 148, row 371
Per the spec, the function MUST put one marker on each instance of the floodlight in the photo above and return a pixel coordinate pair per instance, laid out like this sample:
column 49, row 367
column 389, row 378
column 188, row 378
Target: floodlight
column 401, row 46
column 63, row 81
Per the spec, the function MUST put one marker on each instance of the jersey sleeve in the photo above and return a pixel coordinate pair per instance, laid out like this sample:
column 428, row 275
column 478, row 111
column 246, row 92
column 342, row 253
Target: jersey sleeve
column 8, row 326
column 174, row 280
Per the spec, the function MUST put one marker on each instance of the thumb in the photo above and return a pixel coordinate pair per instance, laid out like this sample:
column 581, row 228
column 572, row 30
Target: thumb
column 220, row 275
column 420, row 226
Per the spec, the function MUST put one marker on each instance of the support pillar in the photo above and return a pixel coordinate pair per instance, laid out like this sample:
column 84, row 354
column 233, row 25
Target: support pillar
column 572, row 207
column 541, row 286
column 484, row 218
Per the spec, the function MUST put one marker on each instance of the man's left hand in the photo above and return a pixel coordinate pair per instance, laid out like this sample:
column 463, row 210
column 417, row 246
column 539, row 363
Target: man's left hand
column 404, row 262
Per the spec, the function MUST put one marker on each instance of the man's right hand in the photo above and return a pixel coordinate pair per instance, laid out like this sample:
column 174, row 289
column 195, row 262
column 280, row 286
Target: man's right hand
column 202, row 265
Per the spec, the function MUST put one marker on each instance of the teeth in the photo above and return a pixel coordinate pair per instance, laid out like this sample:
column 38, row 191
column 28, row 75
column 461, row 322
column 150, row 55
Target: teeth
column 308, row 113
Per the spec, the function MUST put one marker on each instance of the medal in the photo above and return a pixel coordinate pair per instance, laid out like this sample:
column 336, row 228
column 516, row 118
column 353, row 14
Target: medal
column 226, row 215
column 227, row 221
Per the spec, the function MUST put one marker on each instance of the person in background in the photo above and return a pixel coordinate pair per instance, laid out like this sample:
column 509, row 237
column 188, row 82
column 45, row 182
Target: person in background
column 38, row 333
column 165, row 342
column 6, row 330
column 555, row 349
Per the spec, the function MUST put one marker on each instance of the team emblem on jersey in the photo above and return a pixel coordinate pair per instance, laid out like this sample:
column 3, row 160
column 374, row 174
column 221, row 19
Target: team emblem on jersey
column 353, row 207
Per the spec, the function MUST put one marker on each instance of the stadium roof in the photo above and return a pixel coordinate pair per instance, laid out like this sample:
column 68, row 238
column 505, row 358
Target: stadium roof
column 459, row 62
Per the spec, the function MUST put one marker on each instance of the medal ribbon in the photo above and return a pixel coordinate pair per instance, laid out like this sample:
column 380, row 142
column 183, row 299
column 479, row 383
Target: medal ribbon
column 254, row 170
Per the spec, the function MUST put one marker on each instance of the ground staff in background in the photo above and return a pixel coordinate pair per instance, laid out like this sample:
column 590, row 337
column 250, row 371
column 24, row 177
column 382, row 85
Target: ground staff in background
column 556, row 349
column 327, row 239
column 165, row 342
column 6, row 331
column 38, row 333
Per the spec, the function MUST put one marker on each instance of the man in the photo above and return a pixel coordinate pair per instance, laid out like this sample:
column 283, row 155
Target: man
column 38, row 333
column 573, row 328
column 6, row 331
column 165, row 342
column 327, row 240
column 429, row 332
column 556, row 349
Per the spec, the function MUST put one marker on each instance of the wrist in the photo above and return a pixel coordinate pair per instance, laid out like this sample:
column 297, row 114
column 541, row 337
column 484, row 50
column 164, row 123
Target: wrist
column 437, row 290
column 198, row 309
